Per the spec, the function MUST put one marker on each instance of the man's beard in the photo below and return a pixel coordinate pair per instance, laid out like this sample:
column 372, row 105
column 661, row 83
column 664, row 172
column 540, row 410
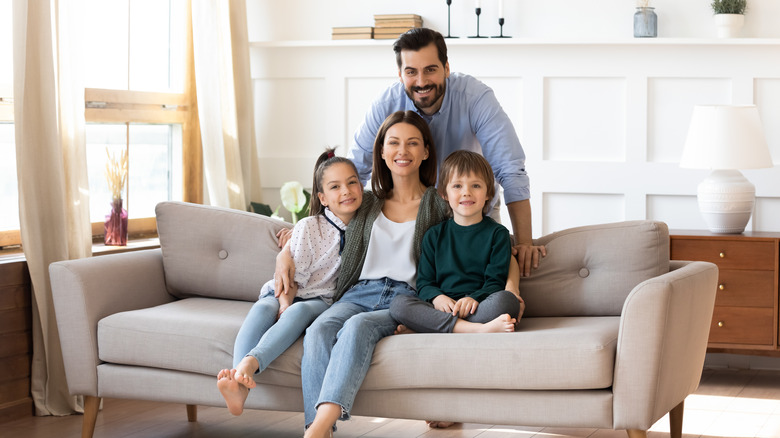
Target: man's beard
column 429, row 100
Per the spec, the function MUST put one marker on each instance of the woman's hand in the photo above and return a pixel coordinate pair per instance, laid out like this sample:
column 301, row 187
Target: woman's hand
column 464, row 307
column 286, row 299
column 443, row 303
column 284, row 236
column 284, row 274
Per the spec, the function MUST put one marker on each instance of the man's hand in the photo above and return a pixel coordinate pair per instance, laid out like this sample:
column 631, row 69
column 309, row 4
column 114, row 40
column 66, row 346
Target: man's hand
column 464, row 307
column 443, row 303
column 284, row 236
column 528, row 257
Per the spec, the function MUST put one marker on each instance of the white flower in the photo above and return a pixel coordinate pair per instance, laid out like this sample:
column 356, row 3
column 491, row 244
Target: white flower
column 293, row 198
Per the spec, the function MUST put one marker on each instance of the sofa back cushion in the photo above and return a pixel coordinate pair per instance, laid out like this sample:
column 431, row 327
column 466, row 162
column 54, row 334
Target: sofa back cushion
column 216, row 252
column 590, row 270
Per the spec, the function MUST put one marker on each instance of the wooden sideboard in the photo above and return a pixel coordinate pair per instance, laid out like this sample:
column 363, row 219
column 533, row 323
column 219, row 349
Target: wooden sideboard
column 745, row 319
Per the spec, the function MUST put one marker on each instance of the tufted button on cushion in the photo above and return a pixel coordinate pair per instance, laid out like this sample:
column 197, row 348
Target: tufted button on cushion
column 584, row 272
column 223, row 254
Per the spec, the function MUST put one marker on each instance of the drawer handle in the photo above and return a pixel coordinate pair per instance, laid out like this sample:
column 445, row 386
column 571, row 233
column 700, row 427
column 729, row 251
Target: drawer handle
column 721, row 287
column 720, row 324
column 722, row 255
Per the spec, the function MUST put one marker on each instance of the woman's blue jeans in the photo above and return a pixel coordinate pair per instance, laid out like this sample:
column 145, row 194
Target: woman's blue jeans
column 339, row 344
column 264, row 338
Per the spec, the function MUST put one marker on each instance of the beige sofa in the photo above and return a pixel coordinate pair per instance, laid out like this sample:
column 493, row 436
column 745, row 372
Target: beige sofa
column 614, row 335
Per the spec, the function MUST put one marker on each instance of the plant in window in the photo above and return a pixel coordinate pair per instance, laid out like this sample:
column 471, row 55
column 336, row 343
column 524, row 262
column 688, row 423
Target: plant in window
column 116, row 220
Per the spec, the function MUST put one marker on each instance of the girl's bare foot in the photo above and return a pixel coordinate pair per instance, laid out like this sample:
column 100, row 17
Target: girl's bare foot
column 245, row 371
column 234, row 393
column 403, row 330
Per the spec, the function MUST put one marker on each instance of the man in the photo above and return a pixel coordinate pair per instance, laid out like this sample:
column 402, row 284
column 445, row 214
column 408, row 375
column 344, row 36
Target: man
column 463, row 113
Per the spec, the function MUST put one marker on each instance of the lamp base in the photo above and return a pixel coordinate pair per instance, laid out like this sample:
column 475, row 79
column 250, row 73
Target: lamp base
column 726, row 200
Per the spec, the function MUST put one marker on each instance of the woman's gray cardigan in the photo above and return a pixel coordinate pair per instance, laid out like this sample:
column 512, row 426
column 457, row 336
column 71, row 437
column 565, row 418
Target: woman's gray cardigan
column 433, row 209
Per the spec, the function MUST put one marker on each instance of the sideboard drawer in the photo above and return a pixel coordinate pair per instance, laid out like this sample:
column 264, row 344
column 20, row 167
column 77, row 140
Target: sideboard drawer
column 755, row 255
column 742, row 325
column 745, row 288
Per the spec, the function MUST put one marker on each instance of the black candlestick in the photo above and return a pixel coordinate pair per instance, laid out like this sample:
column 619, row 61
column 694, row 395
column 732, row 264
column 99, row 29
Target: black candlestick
column 501, row 27
column 449, row 2
column 478, row 11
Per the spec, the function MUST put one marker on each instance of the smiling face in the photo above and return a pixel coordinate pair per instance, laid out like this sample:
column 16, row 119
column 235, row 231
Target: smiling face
column 404, row 150
column 424, row 78
column 467, row 195
column 341, row 191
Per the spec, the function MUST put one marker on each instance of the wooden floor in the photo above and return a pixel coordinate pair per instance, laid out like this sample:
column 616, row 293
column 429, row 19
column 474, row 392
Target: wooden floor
column 728, row 403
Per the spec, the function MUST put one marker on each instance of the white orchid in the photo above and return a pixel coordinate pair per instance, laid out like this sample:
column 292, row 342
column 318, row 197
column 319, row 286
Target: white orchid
column 294, row 198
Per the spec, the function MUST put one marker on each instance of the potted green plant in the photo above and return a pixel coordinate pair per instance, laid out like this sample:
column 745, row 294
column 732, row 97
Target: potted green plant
column 729, row 17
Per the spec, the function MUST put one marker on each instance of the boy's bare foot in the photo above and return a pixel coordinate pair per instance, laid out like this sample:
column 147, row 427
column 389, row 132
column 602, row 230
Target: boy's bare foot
column 245, row 372
column 403, row 330
column 234, row 393
column 503, row 323
column 440, row 424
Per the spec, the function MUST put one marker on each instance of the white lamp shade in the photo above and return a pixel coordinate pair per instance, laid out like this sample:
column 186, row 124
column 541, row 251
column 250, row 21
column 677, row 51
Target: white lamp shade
column 726, row 137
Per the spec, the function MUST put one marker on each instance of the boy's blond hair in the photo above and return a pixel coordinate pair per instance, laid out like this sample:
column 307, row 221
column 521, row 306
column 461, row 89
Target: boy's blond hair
column 463, row 163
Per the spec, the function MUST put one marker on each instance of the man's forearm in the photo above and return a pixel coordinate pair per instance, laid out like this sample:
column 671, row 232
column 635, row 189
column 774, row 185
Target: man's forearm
column 520, row 215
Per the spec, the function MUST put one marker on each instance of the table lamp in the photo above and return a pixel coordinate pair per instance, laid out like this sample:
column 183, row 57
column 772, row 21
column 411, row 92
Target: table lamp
column 726, row 138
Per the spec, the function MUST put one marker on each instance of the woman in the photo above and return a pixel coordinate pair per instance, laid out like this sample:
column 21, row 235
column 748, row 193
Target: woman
column 339, row 344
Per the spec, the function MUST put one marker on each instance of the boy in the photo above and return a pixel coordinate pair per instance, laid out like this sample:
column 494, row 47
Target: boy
column 465, row 260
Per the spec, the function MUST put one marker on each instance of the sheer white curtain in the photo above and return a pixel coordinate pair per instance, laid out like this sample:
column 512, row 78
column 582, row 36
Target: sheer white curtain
column 51, row 168
column 225, row 110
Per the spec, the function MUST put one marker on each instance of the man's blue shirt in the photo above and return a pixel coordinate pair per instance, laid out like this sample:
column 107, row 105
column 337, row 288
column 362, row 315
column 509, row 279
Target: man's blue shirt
column 470, row 118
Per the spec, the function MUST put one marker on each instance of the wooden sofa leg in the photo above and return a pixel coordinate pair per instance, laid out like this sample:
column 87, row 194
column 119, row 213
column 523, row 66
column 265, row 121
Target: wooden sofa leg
column 192, row 413
column 636, row 433
column 676, row 420
column 91, row 408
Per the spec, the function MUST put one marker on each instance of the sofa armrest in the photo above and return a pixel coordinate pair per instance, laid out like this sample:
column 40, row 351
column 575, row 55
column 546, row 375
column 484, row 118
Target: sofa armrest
column 86, row 290
column 662, row 342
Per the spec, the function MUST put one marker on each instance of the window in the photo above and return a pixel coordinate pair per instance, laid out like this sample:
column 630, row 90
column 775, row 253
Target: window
column 135, row 68
column 136, row 102
column 9, row 200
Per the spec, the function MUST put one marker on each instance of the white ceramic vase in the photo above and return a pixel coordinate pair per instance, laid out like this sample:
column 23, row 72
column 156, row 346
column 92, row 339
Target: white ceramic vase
column 729, row 25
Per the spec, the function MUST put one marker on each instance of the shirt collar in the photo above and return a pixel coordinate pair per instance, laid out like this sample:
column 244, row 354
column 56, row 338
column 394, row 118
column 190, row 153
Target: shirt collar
column 329, row 214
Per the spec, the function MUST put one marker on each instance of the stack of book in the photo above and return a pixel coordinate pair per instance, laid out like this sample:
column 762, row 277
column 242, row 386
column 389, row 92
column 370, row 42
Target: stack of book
column 352, row 33
column 392, row 25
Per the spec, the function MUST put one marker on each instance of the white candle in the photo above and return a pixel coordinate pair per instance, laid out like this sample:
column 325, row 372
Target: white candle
column 500, row 8
column 479, row 3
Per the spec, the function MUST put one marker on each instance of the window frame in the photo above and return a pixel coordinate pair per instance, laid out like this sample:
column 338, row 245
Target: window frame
column 127, row 106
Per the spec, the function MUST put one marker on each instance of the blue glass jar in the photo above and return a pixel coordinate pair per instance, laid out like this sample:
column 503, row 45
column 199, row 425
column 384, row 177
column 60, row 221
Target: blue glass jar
column 645, row 23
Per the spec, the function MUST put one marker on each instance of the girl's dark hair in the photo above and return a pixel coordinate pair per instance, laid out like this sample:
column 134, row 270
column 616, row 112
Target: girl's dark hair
column 462, row 163
column 381, row 178
column 324, row 161
column 417, row 38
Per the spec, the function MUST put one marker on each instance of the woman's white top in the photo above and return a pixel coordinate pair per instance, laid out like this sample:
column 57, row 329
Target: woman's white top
column 390, row 251
column 314, row 246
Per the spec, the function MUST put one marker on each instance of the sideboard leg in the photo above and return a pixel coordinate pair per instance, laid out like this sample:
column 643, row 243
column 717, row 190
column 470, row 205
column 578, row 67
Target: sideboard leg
column 192, row 413
column 91, row 408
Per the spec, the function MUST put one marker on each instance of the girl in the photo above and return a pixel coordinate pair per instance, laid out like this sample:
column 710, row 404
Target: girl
column 316, row 246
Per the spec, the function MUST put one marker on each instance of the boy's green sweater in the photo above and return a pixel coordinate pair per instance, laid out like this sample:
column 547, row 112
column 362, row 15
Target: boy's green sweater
column 460, row 261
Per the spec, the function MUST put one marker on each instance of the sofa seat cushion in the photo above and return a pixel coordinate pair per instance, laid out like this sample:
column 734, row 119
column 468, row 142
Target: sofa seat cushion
column 197, row 334
column 544, row 354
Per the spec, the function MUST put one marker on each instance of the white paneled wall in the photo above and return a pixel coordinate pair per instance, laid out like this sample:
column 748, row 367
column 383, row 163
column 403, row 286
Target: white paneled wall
column 602, row 116
column 602, row 122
